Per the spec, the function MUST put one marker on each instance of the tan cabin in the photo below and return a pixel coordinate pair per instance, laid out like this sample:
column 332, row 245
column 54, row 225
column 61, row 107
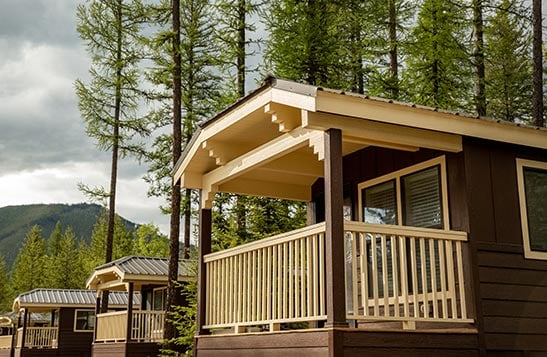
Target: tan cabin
column 423, row 236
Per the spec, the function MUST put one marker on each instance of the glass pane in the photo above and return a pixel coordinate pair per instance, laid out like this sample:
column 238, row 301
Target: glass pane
column 85, row 320
column 422, row 199
column 380, row 203
column 158, row 300
column 535, row 183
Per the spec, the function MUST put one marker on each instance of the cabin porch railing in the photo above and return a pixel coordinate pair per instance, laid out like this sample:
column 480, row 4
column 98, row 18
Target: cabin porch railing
column 5, row 342
column 281, row 279
column 275, row 280
column 146, row 326
column 405, row 274
column 38, row 337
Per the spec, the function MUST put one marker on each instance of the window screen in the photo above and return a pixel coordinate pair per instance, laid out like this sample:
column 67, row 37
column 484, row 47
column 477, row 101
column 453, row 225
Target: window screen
column 422, row 199
column 380, row 203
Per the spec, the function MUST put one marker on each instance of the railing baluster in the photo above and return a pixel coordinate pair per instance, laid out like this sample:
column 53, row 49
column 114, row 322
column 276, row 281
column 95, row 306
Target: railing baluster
column 395, row 275
column 385, row 279
column 424, row 277
column 442, row 274
column 363, row 261
column 451, row 279
column 460, row 280
column 375, row 273
column 354, row 282
column 322, row 274
column 414, row 272
column 433, row 269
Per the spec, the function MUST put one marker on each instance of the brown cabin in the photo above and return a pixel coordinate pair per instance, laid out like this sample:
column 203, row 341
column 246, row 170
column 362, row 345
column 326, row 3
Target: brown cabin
column 141, row 334
column 426, row 235
column 55, row 322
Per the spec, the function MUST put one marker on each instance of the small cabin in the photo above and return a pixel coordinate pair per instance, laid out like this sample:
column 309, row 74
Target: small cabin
column 55, row 322
column 426, row 234
column 142, row 333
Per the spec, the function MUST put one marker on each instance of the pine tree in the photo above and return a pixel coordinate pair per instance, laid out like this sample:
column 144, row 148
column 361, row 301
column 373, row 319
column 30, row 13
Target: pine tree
column 5, row 288
column 30, row 267
column 109, row 103
column 304, row 42
column 537, row 64
column 438, row 68
column 66, row 270
column 54, row 241
column 508, row 65
column 150, row 242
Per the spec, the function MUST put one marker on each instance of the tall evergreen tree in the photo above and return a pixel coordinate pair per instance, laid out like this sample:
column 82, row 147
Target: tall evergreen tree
column 508, row 65
column 304, row 42
column 30, row 267
column 109, row 103
column 537, row 64
column 5, row 288
column 184, row 60
column 438, row 68
column 54, row 241
column 150, row 242
column 478, row 56
column 66, row 270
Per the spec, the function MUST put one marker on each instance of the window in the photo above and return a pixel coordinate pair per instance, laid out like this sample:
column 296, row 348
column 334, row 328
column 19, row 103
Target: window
column 532, row 189
column 160, row 299
column 84, row 320
column 414, row 196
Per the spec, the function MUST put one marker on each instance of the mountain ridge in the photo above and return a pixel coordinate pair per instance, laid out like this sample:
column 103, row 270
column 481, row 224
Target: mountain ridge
column 17, row 220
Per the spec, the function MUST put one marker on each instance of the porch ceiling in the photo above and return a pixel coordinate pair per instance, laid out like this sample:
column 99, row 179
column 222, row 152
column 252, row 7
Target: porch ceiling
column 271, row 143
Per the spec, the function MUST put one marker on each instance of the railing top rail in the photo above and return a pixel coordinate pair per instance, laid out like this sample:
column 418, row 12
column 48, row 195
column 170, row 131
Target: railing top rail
column 267, row 242
column 406, row 231
column 42, row 327
column 149, row 312
column 113, row 313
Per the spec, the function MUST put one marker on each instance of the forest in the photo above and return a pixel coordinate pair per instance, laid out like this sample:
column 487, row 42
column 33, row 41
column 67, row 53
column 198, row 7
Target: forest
column 161, row 67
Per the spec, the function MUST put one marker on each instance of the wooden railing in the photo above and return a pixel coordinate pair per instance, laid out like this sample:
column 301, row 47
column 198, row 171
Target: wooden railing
column 404, row 274
column 393, row 273
column 5, row 342
column 146, row 326
column 268, row 282
column 38, row 337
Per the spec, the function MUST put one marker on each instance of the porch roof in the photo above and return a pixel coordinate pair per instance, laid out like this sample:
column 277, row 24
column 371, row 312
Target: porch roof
column 138, row 270
column 270, row 143
column 44, row 299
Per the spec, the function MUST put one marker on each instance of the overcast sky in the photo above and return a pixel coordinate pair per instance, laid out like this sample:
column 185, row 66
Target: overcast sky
column 44, row 151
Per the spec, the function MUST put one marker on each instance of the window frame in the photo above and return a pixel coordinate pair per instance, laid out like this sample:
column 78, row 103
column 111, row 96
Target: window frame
column 76, row 319
column 533, row 164
column 398, row 175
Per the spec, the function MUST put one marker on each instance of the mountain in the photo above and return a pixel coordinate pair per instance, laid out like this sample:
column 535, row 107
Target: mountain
column 16, row 221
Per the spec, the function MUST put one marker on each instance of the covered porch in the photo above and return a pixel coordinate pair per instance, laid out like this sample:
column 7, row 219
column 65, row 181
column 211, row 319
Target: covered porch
column 357, row 269
column 133, row 331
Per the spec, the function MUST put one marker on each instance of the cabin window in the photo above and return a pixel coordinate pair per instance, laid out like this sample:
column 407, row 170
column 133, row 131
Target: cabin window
column 532, row 188
column 160, row 299
column 84, row 320
column 414, row 196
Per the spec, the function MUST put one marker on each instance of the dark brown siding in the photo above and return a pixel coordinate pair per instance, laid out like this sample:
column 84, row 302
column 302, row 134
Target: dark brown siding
column 72, row 343
column 512, row 290
column 123, row 349
column 354, row 342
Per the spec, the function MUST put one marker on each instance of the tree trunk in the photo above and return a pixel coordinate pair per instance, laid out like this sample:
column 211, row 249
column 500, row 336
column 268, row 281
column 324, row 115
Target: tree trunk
column 537, row 76
column 170, row 330
column 478, row 37
column 393, row 60
column 115, row 148
column 241, row 12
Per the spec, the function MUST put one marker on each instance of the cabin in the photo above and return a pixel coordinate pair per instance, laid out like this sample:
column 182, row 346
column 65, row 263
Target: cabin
column 142, row 333
column 426, row 232
column 55, row 322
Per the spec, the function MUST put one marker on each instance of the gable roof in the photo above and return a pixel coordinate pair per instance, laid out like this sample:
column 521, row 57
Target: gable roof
column 52, row 298
column 271, row 142
column 136, row 269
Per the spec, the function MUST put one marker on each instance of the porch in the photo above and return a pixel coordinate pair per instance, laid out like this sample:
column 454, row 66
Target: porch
column 404, row 275
column 146, row 326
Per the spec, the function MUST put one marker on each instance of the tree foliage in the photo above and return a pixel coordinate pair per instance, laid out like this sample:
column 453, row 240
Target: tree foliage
column 30, row 267
column 5, row 288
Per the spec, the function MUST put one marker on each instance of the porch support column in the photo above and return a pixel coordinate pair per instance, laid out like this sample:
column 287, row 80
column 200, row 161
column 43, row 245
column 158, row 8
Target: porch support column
column 97, row 311
column 204, row 249
column 25, row 322
column 334, row 235
column 129, row 312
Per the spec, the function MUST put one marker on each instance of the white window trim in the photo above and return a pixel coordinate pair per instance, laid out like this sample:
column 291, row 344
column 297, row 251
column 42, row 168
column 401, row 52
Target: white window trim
column 521, row 164
column 76, row 318
column 396, row 175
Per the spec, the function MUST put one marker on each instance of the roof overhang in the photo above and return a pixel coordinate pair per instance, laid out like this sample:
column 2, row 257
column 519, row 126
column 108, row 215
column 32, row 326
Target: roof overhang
column 112, row 278
column 271, row 142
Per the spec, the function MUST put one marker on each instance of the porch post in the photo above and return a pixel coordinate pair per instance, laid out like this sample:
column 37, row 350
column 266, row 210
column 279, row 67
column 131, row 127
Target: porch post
column 334, row 237
column 129, row 312
column 97, row 310
column 204, row 249
column 25, row 321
